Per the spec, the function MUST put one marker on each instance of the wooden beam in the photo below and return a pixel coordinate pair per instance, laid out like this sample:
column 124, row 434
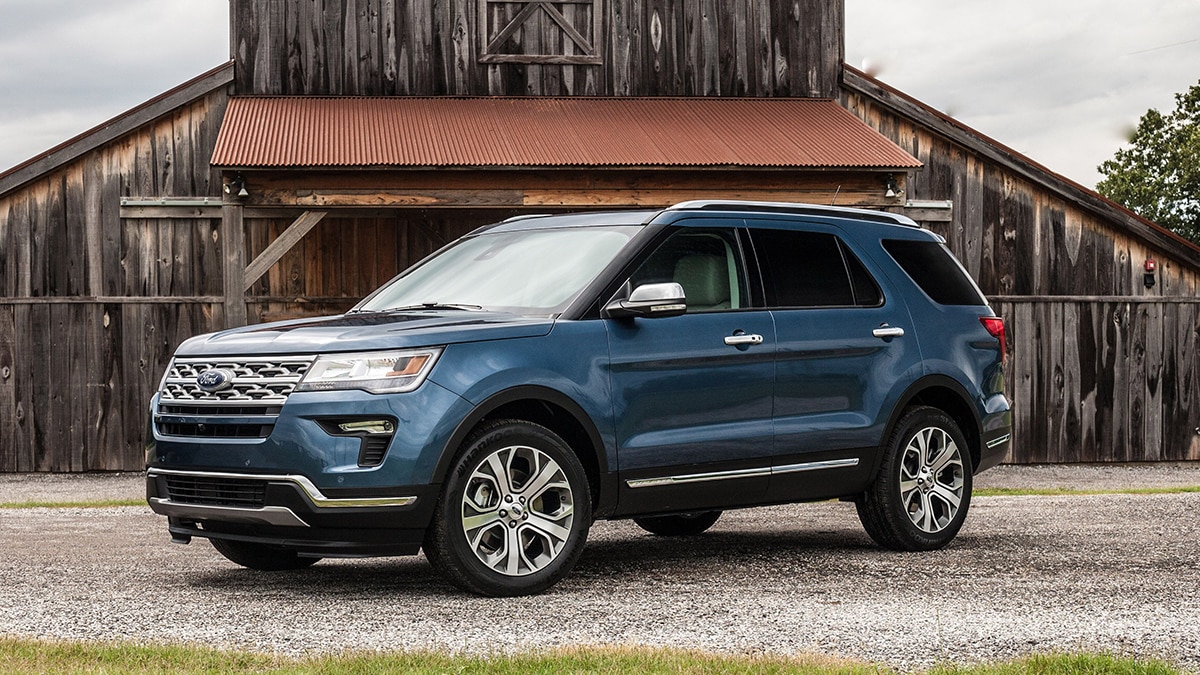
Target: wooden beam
column 278, row 248
column 233, row 257
column 171, row 212
column 116, row 300
column 581, row 197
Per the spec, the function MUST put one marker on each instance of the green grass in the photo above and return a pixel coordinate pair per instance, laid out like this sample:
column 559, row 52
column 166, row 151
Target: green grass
column 92, row 504
column 20, row 656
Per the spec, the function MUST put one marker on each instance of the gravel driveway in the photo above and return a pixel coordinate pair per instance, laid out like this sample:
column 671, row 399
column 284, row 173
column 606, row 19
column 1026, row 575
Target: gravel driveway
column 1027, row 574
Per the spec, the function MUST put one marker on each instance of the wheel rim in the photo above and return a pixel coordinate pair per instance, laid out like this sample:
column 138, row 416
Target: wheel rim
column 931, row 479
column 517, row 510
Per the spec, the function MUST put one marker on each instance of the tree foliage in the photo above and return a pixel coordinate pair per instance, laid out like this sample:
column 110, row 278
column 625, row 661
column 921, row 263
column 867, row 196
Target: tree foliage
column 1158, row 175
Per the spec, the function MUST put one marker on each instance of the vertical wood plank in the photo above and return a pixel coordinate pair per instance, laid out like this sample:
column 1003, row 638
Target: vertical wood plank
column 1150, row 381
column 1054, row 400
column 1023, row 333
column 9, row 421
column 233, row 254
column 1070, row 437
column 1086, row 366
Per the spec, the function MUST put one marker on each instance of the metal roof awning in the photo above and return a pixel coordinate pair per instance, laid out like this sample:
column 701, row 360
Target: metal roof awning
column 532, row 132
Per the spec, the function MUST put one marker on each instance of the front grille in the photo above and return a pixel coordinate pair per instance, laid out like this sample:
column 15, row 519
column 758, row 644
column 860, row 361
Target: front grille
column 246, row 408
column 214, row 430
column 262, row 381
column 217, row 491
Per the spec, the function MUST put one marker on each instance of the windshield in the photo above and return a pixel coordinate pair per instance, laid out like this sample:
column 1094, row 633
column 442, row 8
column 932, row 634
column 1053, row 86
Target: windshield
column 531, row 272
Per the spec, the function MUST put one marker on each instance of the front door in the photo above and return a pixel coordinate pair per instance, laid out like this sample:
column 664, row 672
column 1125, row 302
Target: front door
column 692, row 393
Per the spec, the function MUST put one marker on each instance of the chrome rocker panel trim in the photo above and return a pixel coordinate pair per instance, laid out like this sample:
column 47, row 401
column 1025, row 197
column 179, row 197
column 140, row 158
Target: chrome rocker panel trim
column 742, row 473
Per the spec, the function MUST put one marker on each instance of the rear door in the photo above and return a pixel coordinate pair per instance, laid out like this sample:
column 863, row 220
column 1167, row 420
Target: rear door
column 692, row 393
column 842, row 344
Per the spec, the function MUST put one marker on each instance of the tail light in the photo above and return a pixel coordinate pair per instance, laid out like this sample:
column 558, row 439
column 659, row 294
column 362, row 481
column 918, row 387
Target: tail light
column 995, row 327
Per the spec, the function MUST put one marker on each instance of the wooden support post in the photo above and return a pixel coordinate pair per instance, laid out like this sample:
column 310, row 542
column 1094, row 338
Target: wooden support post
column 278, row 248
column 233, row 253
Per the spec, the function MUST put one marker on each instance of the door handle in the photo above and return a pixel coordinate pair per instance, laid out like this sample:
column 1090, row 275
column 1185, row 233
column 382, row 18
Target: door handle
column 744, row 339
column 886, row 332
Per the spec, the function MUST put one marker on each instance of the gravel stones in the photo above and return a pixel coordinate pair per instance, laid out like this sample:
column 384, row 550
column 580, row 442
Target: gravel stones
column 1027, row 574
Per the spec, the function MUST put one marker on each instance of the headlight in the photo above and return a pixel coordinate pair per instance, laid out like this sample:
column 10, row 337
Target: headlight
column 376, row 372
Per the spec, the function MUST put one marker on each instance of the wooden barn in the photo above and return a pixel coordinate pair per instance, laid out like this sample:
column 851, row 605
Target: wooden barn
column 346, row 140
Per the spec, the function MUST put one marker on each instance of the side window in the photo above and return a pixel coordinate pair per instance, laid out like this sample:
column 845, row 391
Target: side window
column 707, row 263
column 936, row 271
column 812, row 269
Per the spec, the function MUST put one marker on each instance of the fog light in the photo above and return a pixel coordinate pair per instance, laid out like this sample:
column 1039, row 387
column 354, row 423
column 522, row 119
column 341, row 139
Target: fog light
column 367, row 427
column 374, row 436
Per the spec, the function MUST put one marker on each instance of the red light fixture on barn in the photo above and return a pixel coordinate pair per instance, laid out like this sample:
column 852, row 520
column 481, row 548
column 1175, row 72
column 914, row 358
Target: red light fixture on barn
column 1149, row 267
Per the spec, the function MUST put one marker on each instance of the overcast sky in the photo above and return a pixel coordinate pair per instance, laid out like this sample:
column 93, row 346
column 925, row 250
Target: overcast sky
column 1061, row 81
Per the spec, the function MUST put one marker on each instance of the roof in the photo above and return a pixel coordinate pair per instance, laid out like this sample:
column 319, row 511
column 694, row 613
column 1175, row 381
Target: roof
column 74, row 148
column 402, row 132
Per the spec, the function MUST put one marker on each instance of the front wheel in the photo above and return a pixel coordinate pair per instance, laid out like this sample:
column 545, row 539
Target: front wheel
column 514, row 514
column 261, row 556
column 920, row 498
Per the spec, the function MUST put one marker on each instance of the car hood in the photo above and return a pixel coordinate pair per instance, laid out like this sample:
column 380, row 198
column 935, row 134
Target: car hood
column 366, row 332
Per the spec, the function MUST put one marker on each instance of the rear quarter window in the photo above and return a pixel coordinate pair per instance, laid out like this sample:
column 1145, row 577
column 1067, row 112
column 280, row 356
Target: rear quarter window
column 931, row 265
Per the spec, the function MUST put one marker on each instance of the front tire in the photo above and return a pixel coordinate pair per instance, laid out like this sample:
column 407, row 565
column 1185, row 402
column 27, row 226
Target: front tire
column 514, row 514
column 920, row 498
column 261, row 556
column 679, row 524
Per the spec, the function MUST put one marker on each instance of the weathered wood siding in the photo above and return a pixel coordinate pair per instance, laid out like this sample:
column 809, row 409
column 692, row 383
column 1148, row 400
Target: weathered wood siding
column 1102, row 368
column 640, row 47
column 91, row 306
column 1104, row 380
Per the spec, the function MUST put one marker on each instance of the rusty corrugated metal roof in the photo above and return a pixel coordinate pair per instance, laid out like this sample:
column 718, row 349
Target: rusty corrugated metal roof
column 549, row 132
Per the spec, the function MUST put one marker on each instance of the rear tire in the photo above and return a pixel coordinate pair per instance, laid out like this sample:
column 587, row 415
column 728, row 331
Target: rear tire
column 679, row 524
column 514, row 514
column 261, row 556
column 920, row 498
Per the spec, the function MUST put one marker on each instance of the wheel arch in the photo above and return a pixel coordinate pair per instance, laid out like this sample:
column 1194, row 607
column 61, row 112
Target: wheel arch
column 555, row 411
column 945, row 394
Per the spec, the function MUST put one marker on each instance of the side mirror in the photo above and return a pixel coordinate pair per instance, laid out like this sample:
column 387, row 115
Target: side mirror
column 650, row 301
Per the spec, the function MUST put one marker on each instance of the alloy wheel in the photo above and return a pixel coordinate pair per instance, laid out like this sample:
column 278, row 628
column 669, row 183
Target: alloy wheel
column 517, row 510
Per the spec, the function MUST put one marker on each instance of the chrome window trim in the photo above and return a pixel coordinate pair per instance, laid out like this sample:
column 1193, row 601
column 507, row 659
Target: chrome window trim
column 313, row 493
column 743, row 473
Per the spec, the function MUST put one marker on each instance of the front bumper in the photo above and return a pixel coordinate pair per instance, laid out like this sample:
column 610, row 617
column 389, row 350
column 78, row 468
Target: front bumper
column 289, row 511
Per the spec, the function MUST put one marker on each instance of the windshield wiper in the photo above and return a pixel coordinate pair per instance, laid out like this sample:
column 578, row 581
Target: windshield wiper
column 421, row 306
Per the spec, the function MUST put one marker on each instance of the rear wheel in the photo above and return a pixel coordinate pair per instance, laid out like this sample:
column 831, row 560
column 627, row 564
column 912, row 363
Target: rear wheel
column 920, row 498
column 514, row 514
column 261, row 556
column 679, row 524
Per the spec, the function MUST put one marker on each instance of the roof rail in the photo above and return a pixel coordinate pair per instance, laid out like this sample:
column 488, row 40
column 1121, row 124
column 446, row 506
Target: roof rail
column 793, row 208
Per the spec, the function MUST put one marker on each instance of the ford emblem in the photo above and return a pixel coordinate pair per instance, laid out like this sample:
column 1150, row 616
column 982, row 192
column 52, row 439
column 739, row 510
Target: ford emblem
column 217, row 379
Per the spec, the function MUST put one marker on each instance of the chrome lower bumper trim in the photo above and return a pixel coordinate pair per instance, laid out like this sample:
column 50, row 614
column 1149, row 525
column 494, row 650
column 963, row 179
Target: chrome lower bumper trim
column 266, row 515
column 999, row 441
column 314, row 494
column 743, row 473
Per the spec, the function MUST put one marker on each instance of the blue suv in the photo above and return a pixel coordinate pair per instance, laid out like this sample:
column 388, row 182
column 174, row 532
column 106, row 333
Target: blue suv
column 492, row 401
